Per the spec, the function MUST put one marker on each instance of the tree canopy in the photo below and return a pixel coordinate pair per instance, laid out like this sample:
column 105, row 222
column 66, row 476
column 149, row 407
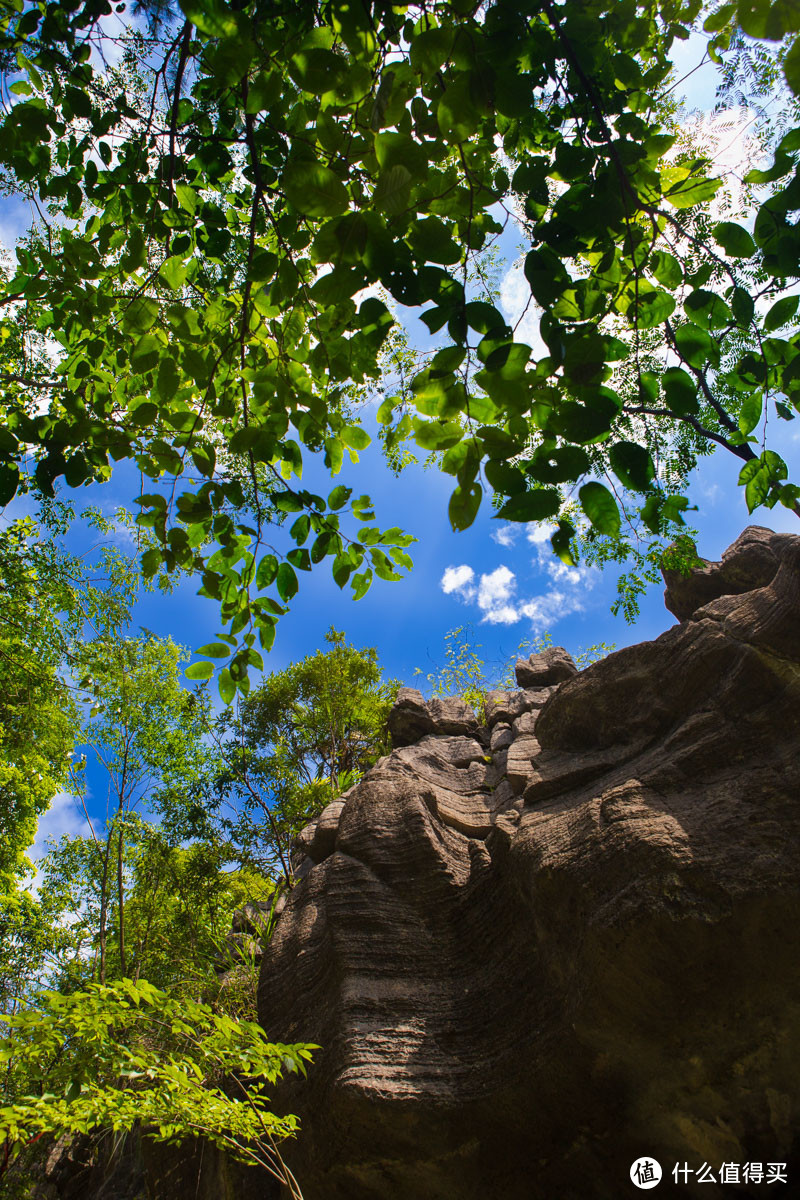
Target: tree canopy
column 295, row 743
column 232, row 216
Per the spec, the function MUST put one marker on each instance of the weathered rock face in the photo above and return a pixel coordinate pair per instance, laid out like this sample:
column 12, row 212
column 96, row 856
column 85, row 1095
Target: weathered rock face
column 534, row 951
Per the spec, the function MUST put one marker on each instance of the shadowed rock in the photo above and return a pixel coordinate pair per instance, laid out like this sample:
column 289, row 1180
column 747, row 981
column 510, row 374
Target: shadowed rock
column 750, row 563
column 529, row 965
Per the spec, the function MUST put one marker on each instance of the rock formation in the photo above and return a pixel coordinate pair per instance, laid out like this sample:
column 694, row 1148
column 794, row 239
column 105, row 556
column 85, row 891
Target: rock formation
column 535, row 949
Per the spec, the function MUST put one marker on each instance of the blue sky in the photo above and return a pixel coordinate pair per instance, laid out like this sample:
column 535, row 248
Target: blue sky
column 502, row 581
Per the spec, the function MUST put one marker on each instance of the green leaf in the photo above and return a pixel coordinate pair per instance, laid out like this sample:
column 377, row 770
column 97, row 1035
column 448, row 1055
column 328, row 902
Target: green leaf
column 719, row 19
column 385, row 411
column 743, row 307
column 342, row 240
column 287, row 502
column 692, row 190
column 355, row 437
column 561, row 541
column 393, row 148
column 339, row 497
column 215, row 650
column 437, row 435
column 765, row 19
column 632, row 465
column 317, row 70
column 315, row 190
column 431, row 242
column 561, row 464
column 186, row 197
column 341, row 569
column 735, row 241
column 601, row 508
column 430, row 50
column 140, row 315
column 300, row 529
column 205, row 459
column 334, row 454
column 299, row 558
column 361, row 583
column 321, row 545
column 392, row 193
column 781, row 313
column 263, row 92
column 706, row 309
column 666, row 269
column 151, row 561
column 546, row 275
column 9, row 482
column 750, row 412
column 448, row 359
column 485, row 318
column 267, row 570
column 791, row 67
column 536, row 505
column 213, row 17
column 286, row 582
column 581, row 423
column 680, row 391
column 464, row 505
column 173, row 272
column 695, row 346
column 457, row 113
column 200, row 670
column 653, row 308
column 757, row 487
column 672, row 507
column 227, row 688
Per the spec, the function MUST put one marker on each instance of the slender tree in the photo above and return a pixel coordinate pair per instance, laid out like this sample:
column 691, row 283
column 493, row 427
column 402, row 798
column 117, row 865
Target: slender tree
column 144, row 729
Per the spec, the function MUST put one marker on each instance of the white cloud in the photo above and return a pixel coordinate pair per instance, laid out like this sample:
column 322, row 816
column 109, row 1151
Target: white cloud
column 494, row 592
column 502, row 614
column 506, row 535
column 459, row 580
column 559, row 572
column 538, row 534
column 552, row 606
column 64, row 816
column 519, row 309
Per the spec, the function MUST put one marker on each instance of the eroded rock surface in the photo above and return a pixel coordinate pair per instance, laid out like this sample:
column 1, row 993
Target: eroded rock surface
column 535, row 951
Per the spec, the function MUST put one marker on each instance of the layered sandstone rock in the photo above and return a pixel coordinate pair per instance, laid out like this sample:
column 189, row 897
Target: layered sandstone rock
column 534, row 950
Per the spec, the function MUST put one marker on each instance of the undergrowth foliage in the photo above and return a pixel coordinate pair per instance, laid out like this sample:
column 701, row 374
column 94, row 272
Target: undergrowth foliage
column 117, row 1056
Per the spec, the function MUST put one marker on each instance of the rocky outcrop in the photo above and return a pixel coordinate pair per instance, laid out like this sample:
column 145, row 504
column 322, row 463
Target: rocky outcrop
column 412, row 717
column 535, row 950
column 749, row 564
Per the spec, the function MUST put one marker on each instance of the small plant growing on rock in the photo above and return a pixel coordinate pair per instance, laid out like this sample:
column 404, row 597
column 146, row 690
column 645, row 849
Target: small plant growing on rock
column 466, row 675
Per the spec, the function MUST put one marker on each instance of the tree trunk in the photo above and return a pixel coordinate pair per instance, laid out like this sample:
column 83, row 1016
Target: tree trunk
column 121, row 902
column 104, row 910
